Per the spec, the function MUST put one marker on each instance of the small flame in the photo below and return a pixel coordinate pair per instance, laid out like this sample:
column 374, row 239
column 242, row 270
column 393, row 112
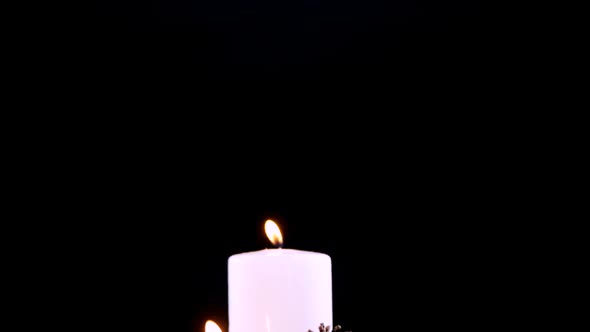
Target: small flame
column 274, row 233
column 211, row 326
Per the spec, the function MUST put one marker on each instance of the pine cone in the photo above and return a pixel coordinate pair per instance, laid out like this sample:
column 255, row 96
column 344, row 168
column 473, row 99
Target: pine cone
column 324, row 328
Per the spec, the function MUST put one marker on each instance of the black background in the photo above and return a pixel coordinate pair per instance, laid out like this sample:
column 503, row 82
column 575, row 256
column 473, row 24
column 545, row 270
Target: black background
column 415, row 242
column 412, row 212
column 311, row 41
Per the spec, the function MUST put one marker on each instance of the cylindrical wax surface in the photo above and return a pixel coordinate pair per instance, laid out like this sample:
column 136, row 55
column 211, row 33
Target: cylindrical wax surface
column 279, row 290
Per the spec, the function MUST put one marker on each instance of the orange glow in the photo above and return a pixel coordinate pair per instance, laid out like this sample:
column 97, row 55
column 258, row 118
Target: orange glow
column 274, row 233
column 211, row 326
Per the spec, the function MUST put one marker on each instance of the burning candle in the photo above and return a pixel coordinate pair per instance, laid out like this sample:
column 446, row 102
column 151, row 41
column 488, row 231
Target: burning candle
column 279, row 290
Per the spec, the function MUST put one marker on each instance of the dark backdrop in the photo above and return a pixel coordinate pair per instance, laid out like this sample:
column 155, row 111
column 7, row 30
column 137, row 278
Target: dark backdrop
column 413, row 223
column 414, row 242
column 206, row 41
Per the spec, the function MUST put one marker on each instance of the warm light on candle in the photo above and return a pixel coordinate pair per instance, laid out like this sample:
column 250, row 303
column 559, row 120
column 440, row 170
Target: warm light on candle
column 211, row 326
column 274, row 233
column 278, row 290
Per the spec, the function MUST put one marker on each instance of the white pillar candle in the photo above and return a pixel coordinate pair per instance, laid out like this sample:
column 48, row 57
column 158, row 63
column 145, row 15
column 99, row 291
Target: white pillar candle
column 279, row 290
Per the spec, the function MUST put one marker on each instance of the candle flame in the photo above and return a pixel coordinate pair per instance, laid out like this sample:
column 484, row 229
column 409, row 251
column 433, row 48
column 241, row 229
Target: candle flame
column 211, row 326
column 274, row 233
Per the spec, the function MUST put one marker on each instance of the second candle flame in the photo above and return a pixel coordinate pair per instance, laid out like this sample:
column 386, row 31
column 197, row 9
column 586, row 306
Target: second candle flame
column 274, row 233
column 211, row 326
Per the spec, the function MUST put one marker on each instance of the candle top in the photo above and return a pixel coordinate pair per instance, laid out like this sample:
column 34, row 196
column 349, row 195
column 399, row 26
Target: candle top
column 274, row 235
column 281, row 252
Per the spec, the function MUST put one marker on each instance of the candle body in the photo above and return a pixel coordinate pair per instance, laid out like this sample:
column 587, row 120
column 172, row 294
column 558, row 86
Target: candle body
column 279, row 290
